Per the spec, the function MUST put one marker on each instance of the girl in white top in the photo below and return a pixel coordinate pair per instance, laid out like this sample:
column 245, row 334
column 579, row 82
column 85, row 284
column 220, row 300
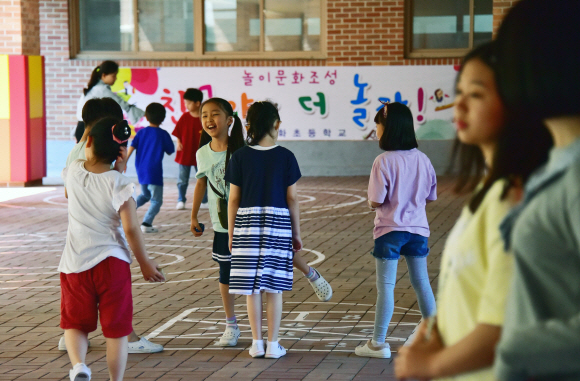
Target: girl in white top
column 94, row 267
column 99, row 86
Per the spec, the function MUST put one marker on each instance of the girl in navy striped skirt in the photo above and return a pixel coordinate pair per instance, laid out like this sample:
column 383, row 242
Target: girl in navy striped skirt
column 264, row 223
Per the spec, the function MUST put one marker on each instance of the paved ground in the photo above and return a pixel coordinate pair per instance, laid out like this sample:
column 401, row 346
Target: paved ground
column 185, row 313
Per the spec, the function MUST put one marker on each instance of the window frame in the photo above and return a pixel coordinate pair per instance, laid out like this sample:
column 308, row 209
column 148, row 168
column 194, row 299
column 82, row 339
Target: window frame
column 434, row 53
column 198, row 53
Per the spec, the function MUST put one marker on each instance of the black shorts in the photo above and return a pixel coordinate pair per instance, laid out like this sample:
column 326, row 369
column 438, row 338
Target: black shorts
column 221, row 254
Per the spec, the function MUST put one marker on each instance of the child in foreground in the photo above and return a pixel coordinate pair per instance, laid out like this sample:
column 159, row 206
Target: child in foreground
column 95, row 275
column 264, row 224
column 402, row 182
column 151, row 144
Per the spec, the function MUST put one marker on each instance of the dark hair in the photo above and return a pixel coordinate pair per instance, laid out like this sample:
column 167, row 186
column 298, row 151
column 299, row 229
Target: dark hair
column 538, row 66
column 516, row 155
column 260, row 120
column 106, row 149
column 155, row 113
column 194, row 95
column 236, row 137
column 106, row 68
column 99, row 108
column 399, row 133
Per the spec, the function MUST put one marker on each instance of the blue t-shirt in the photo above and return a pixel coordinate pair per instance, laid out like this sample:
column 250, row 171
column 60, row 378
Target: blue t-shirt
column 264, row 174
column 151, row 143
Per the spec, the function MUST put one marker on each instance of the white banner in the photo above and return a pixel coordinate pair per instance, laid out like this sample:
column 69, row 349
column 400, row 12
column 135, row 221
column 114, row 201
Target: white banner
column 316, row 103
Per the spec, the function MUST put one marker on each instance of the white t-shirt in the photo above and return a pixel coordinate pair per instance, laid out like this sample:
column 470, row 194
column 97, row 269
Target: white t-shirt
column 94, row 224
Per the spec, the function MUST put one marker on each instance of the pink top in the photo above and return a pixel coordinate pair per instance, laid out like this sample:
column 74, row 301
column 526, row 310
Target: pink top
column 402, row 181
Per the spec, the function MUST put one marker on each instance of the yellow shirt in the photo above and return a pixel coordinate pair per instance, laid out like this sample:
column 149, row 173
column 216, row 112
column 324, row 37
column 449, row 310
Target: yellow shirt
column 475, row 274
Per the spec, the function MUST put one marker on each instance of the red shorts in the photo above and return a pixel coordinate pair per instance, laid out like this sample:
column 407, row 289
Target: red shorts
column 106, row 290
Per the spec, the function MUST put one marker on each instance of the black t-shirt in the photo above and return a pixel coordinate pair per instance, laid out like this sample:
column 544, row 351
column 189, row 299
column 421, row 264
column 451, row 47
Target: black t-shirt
column 264, row 174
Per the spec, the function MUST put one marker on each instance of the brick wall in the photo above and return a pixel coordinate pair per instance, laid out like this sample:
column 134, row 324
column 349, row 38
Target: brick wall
column 500, row 10
column 355, row 37
column 20, row 27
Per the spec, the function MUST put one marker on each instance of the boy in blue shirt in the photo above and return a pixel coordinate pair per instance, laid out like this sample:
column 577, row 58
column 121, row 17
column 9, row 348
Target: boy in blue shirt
column 151, row 143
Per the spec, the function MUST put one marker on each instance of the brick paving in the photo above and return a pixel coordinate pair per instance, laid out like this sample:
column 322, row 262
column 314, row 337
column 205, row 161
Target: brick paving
column 185, row 315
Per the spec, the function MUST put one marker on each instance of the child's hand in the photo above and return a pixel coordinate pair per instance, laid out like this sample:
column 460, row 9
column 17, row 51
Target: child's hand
column 195, row 225
column 121, row 162
column 370, row 203
column 150, row 272
column 296, row 244
column 417, row 360
column 179, row 146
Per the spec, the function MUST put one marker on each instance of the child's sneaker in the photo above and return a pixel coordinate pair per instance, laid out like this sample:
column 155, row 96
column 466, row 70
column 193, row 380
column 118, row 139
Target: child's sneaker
column 204, row 205
column 275, row 350
column 321, row 288
column 257, row 348
column 80, row 372
column 144, row 346
column 381, row 351
column 180, row 205
column 230, row 337
column 146, row 228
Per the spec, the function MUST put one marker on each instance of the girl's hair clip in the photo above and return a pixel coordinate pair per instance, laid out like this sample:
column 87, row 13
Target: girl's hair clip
column 126, row 131
column 384, row 107
column 235, row 113
column 98, row 69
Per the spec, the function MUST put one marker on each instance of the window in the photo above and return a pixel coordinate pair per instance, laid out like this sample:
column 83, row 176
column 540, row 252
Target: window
column 197, row 29
column 447, row 28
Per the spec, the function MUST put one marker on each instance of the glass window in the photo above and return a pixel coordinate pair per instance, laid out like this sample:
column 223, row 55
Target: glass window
column 106, row 25
column 229, row 26
column 446, row 25
column 292, row 25
column 166, row 25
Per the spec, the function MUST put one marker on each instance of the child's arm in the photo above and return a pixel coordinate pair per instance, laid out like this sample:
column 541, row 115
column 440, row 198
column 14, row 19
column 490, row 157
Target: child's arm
column 133, row 233
column 233, row 206
column 130, row 152
column 294, row 208
column 200, row 187
column 121, row 162
column 179, row 145
column 427, row 359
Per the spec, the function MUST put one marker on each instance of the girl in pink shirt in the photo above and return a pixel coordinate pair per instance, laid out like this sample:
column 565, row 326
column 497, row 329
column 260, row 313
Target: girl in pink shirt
column 402, row 181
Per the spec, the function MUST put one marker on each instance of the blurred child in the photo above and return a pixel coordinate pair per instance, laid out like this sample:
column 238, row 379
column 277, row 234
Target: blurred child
column 151, row 143
column 95, row 274
column 402, row 182
column 188, row 133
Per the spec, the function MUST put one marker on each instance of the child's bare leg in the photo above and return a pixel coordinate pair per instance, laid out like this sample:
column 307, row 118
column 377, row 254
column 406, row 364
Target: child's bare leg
column 255, row 315
column 228, row 300
column 77, row 343
column 300, row 264
column 117, row 357
column 133, row 337
column 273, row 314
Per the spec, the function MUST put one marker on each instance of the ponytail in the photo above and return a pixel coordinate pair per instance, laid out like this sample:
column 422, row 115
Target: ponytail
column 109, row 135
column 261, row 118
column 106, row 68
column 236, row 137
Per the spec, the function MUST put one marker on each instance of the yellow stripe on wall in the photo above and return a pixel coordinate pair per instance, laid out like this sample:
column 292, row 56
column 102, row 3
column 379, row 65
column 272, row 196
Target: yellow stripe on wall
column 4, row 88
column 35, row 86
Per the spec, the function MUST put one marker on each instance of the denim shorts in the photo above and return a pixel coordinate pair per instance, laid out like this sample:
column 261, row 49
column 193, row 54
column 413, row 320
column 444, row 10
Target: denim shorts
column 394, row 244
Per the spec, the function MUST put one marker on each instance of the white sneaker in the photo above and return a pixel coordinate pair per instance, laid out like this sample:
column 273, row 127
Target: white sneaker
column 204, row 205
column 148, row 229
column 180, row 205
column 62, row 344
column 321, row 288
column 257, row 349
column 382, row 351
column 230, row 337
column 275, row 351
column 80, row 372
column 144, row 346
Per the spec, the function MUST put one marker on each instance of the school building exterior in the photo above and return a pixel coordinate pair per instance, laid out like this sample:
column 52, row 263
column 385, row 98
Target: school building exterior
column 74, row 36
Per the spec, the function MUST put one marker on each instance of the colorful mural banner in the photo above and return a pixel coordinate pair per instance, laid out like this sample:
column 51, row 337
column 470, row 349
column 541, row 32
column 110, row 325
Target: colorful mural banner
column 316, row 103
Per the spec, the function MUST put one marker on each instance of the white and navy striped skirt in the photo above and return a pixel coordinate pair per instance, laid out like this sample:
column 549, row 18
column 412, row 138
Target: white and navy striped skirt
column 262, row 251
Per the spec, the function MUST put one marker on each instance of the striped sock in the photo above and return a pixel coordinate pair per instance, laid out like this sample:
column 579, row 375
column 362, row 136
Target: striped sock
column 312, row 275
column 231, row 322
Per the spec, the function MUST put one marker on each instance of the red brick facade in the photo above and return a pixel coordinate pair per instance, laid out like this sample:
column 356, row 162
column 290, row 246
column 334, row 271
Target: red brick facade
column 359, row 33
column 20, row 30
